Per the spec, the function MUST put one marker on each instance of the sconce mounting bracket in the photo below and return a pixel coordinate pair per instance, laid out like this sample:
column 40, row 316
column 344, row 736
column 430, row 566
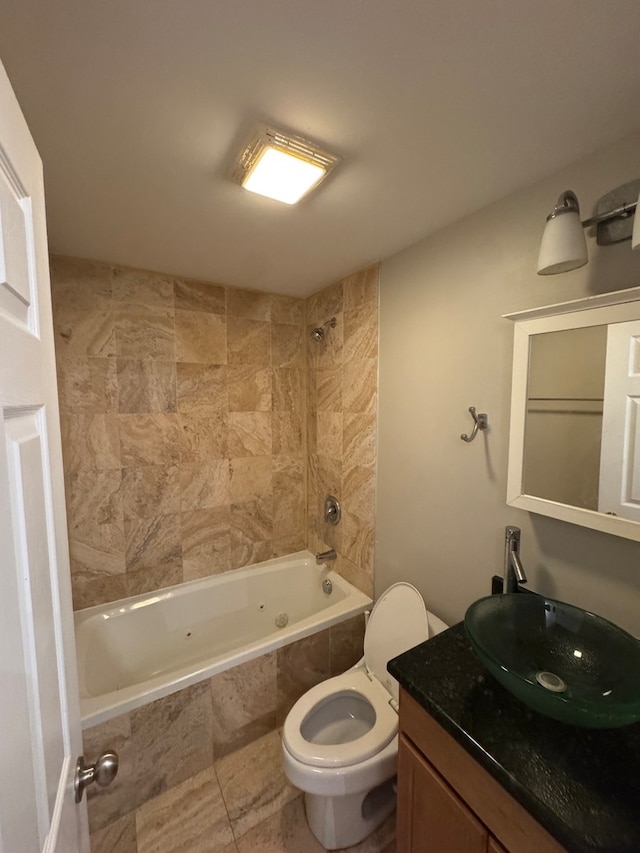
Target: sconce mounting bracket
column 616, row 230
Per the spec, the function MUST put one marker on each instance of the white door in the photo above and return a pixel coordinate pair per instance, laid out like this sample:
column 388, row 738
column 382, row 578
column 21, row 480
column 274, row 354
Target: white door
column 619, row 488
column 40, row 735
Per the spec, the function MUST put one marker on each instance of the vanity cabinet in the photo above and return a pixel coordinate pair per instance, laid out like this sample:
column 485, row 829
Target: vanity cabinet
column 447, row 802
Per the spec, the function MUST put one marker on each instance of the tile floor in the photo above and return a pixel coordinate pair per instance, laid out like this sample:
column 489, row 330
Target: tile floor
column 243, row 803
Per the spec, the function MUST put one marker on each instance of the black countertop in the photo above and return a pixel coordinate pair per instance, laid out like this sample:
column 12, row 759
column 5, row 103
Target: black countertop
column 582, row 785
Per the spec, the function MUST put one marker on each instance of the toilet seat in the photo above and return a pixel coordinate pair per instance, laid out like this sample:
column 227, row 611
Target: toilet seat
column 397, row 622
column 379, row 735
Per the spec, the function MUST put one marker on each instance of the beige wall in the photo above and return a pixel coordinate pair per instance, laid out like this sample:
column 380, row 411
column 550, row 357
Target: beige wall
column 182, row 410
column 441, row 506
column 342, row 375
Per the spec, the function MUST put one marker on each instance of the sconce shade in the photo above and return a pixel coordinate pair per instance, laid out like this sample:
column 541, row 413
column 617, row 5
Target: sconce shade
column 635, row 239
column 563, row 246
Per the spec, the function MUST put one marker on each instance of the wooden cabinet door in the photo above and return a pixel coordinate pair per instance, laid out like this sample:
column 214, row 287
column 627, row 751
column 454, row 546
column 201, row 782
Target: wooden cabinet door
column 431, row 818
column 494, row 847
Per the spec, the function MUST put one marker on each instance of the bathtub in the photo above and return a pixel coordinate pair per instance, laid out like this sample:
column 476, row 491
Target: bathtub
column 133, row 651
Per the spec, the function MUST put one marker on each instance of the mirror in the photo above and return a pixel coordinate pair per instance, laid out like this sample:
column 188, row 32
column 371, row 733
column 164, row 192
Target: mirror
column 574, row 449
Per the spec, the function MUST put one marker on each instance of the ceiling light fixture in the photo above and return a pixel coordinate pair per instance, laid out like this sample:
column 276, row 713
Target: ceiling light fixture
column 564, row 246
column 282, row 166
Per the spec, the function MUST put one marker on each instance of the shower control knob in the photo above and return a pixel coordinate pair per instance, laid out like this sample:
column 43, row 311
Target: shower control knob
column 332, row 511
column 103, row 772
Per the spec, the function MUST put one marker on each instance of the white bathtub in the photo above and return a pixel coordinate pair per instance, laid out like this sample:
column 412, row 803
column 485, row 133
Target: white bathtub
column 133, row 651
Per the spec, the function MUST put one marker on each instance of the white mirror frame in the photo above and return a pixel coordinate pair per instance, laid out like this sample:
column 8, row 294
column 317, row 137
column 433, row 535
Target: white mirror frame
column 616, row 307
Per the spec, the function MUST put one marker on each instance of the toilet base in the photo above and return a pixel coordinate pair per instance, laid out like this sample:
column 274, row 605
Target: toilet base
column 342, row 821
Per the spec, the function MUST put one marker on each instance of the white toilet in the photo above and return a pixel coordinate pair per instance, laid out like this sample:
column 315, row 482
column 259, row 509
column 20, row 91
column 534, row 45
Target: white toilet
column 340, row 740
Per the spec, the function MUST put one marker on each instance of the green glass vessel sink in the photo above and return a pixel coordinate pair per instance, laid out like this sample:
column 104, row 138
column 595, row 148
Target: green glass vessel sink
column 562, row 661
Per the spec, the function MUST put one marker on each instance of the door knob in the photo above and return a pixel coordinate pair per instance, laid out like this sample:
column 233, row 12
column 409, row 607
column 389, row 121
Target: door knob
column 103, row 772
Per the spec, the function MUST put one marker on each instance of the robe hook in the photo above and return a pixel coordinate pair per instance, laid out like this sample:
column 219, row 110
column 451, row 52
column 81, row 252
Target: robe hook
column 480, row 421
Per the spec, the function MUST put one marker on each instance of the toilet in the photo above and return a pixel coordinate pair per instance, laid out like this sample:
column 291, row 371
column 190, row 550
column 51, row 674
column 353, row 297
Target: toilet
column 340, row 740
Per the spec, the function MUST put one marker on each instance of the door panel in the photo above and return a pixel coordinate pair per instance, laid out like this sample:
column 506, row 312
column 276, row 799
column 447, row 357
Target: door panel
column 39, row 705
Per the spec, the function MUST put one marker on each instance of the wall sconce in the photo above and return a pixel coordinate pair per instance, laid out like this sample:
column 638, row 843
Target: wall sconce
column 564, row 246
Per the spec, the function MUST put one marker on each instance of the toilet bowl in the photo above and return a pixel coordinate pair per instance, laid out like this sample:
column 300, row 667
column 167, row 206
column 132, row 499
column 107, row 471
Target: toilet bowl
column 340, row 740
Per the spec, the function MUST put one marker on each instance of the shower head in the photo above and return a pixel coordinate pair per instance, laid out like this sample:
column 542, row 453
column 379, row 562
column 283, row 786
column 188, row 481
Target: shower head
column 318, row 334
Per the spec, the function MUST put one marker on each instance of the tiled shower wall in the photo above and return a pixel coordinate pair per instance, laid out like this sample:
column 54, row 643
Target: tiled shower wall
column 182, row 410
column 184, row 406
column 342, row 382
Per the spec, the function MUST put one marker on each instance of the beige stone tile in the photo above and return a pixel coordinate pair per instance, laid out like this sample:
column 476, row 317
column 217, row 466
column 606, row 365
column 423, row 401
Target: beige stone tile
column 250, row 553
column 94, row 498
column 329, row 434
column 103, row 554
column 288, row 389
column 201, row 337
column 81, row 332
column 248, row 342
column 205, row 542
column 153, row 542
column 249, row 434
column 244, row 700
column 151, row 578
column 173, row 739
column 361, row 287
column 203, row 435
column 359, row 438
column 357, row 539
column 90, row 442
column 359, row 385
column 142, row 287
column 287, row 432
column 311, row 423
column 84, row 284
column 286, row 831
column 250, row 478
column 301, row 665
column 324, row 304
column 199, row 296
column 118, row 799
column 288, row 496
column 204, row 485
column 90, row 588
column 287, row 346
column 253, row 783
column 249, row 388
column 287, row 309
column 149, row 439
column 359, row 577
column 329, row 389
column 289, row 544
column 361, row 331
column 325, row 473
column 147, row 385
column 117, row 837
column 359, row 491
column 87, row 385
column 249, row 304
column 201, row 386
column 95, row 520
column 149, row 491
column 145, row 331
column 346, row 643
column 251, row 522
column 188, row 817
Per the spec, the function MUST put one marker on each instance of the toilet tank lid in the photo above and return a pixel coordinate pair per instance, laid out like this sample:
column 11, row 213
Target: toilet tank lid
column 398, row 622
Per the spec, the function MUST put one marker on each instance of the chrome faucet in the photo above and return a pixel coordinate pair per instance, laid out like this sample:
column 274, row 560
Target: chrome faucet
column 325, row 556
column 513, row 569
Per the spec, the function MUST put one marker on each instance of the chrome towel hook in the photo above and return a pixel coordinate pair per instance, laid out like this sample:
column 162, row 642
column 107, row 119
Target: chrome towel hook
column 480, row 421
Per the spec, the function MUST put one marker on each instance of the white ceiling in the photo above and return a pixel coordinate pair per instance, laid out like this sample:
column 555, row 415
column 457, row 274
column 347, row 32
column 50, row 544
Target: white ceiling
column 438, row 108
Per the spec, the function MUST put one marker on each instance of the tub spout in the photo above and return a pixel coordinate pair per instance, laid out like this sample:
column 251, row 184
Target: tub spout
column 325, row 556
